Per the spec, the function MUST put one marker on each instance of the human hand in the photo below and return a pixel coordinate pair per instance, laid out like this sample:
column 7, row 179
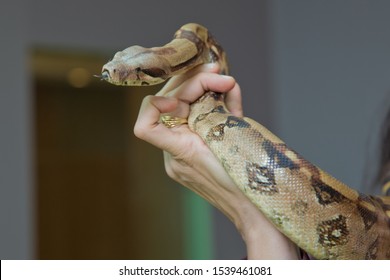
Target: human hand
column 190, row 162
column 187, row 159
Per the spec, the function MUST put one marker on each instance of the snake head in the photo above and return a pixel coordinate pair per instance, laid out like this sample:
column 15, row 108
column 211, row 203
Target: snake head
column 135, row 66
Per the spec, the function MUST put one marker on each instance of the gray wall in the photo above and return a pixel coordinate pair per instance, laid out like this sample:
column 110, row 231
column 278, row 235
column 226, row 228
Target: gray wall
column 315, row 72
column 331, row 70
column 16, row 190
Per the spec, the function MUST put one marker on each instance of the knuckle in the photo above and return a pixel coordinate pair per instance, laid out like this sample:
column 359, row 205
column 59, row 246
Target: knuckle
column 139, row 130
column 170, row 172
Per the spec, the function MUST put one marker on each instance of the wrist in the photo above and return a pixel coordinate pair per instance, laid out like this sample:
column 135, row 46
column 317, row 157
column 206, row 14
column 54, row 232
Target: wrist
column 263, row 240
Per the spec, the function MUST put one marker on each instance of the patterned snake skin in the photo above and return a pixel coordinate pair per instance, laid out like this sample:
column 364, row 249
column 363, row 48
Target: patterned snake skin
column 320, row 214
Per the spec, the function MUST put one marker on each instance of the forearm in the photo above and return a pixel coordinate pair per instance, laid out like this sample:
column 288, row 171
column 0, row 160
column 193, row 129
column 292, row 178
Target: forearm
column 262, row 239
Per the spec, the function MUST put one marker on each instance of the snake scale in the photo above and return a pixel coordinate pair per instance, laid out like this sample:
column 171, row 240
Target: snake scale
column 317, row 212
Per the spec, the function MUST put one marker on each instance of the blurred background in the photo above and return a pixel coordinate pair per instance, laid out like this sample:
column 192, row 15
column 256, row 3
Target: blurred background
column 76, row 184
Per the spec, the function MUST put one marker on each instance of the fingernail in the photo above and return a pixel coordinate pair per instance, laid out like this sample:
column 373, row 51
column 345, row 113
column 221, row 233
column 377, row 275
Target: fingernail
column 226, row 77
column 211, row 66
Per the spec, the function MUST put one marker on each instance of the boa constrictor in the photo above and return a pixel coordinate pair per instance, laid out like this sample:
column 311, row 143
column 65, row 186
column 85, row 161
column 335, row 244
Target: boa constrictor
column 320, row 214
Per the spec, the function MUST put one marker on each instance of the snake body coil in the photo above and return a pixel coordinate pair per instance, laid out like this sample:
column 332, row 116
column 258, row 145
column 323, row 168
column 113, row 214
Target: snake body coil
column 320, row 214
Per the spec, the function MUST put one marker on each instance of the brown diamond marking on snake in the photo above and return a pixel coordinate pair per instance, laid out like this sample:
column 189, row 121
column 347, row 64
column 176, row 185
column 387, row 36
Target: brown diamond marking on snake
column 325, row 193
column 216, row 133
column 233, row 121
column 277, row 154
column 333, row 232
column 261, row 179
column 372, row 250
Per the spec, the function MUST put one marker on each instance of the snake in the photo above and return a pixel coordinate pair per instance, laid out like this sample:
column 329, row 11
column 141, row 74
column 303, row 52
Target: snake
column 320, row 214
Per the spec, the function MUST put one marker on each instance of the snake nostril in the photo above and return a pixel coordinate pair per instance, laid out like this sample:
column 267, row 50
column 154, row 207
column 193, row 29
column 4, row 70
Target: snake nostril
column 105, row 74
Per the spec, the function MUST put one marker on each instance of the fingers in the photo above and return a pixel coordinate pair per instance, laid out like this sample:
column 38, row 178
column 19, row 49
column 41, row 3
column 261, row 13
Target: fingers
column 190, row 90
column 234, row 102
column 233, row 97
column 177, row 103
column 147, row 126
column 178, row 80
